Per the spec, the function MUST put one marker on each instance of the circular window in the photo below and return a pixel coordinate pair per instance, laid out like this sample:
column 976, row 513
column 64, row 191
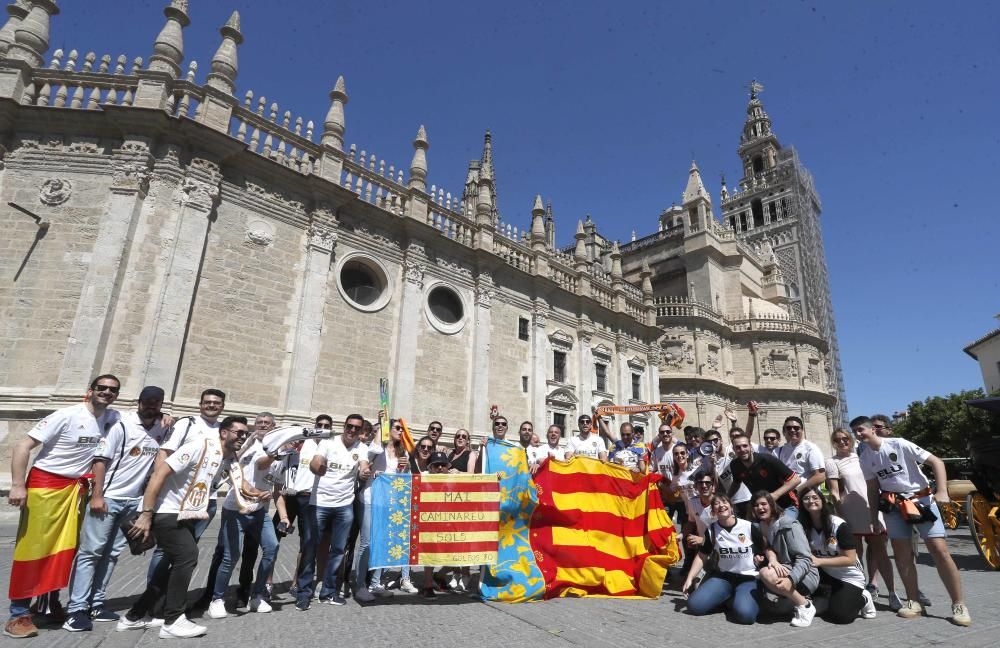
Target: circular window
column 445, row 308
column 363, row 282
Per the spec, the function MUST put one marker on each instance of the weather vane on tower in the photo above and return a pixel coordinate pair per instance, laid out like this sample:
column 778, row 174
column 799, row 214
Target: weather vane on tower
column 755, row 87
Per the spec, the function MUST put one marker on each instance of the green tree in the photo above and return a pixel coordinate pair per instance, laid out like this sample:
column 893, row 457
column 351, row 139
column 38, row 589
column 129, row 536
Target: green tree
column 945, row 425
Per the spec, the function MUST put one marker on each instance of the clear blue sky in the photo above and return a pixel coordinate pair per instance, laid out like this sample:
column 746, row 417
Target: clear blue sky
column 599, row 107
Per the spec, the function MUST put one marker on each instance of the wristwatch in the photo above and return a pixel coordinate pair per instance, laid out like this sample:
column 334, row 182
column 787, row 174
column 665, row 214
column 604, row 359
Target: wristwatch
column 148, row 510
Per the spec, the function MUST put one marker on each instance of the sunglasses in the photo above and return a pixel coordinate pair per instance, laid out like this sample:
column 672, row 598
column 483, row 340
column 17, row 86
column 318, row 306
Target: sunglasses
column 348, row 427
column 770, row 438
column 425, row 448
column 841, row 440
column 434, row 429
column 397, row 427
column 704, row 483
column 500, row 424
column 792, row 428
column 106, row 388
column 584, row 421
column 461, row 436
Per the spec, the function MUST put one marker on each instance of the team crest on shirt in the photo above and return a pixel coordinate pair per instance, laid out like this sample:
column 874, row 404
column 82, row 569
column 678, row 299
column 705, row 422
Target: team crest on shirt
column 354, row 456
column 742, row 538
column 892, row 456
column 831, row 541
column 134, row 452
column 185, row 457
column 798, row 455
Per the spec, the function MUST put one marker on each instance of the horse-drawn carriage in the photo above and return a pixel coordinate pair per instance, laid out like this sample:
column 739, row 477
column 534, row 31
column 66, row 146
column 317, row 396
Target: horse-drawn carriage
column 982, row 503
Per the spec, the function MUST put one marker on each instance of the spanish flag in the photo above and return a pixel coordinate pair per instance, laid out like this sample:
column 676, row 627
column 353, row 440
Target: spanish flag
column 600, row 530
column 46, row 536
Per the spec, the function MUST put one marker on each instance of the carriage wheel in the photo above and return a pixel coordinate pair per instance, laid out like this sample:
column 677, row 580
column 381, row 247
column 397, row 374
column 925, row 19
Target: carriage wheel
column 949, row 515
column 984, row 531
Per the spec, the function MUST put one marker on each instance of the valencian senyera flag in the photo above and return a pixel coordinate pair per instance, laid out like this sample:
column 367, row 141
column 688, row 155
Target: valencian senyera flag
column 46, row 538
column 430, row 520
column 577, row 528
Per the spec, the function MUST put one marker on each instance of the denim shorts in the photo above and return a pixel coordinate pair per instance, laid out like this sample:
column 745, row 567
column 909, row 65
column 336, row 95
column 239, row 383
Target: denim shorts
column 900, row 530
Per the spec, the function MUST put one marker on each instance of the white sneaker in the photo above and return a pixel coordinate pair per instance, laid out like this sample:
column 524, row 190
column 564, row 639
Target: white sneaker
column 155, row 622
column 260, row 605
column 895, row 603
column 407, row 586
column 804, row 614
column 868, row 611
column 182, row 629
column 124, row 624
column 217, row 609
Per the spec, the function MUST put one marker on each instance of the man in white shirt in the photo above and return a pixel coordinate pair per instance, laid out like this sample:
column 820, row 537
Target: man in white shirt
column 253, row 526
column 536, row 454
column 587, row 444
column 177, row 496
column 662, row 456
column 121, row 466
column 68, row 438
column 185, row 430
column 803, row 457
column 262, row 424
column 892, row 466
column 300, row 485
column 338, row 463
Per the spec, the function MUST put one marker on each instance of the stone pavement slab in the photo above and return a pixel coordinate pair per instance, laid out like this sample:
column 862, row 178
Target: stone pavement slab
column 451, row 620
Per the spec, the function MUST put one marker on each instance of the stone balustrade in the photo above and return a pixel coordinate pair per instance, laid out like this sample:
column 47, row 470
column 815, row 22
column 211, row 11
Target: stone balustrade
column 300, row 145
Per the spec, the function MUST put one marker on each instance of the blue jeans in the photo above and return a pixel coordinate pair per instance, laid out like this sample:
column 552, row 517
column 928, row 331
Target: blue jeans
column 101, row 542
column 200, row 526
column 257, row 526
column 362, row 554
column 738, row 593
column 336, row 519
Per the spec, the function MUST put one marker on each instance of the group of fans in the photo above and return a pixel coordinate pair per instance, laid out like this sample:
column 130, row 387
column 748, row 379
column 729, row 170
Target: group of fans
column 758, row 531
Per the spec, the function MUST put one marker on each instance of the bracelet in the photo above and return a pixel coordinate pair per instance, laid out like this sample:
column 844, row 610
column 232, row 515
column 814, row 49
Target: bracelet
column 148, row 510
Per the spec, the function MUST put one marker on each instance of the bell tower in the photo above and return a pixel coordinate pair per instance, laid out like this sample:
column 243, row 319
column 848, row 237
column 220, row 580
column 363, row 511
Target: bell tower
column 776, row 207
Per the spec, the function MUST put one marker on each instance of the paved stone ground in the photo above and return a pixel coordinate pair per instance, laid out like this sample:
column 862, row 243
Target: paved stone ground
column 451, row 620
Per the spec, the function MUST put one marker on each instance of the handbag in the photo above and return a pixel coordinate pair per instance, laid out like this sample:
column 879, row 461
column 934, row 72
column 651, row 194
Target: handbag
column 136, row 546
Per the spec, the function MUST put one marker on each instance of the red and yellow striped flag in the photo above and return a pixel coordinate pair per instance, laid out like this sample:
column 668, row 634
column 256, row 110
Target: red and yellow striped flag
column 600, row 530
column 46, row 536
column 455, row 519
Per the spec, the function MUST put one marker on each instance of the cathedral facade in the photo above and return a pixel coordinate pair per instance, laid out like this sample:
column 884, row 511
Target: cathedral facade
column 162, row 228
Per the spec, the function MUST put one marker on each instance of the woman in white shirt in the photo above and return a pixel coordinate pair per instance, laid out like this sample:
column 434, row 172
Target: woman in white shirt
column 841, row 592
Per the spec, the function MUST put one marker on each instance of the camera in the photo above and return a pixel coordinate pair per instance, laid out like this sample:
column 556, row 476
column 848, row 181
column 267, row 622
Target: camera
column 706, row 449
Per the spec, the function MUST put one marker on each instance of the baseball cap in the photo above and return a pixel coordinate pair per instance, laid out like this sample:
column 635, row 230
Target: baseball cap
column 151, row 393
column 439, row 458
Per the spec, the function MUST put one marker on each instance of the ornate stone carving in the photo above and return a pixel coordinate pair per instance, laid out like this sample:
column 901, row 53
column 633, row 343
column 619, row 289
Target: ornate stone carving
column 485, row 290
column 676, row 353
column 260, row 232
column 199, row 194
column 712, row 360
column 374, row 235
column 131, row 176
column 209, row 167
column 322, row 237
column 779, row 364
column 539, row 312
column 55, row 191
column 85, row 145
column 812, row 372
column 413, row 272
column 134, row 146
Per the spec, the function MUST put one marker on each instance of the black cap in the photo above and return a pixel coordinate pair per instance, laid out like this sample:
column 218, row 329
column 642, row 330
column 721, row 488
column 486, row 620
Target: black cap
column 151, row 393
column 439, row 458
